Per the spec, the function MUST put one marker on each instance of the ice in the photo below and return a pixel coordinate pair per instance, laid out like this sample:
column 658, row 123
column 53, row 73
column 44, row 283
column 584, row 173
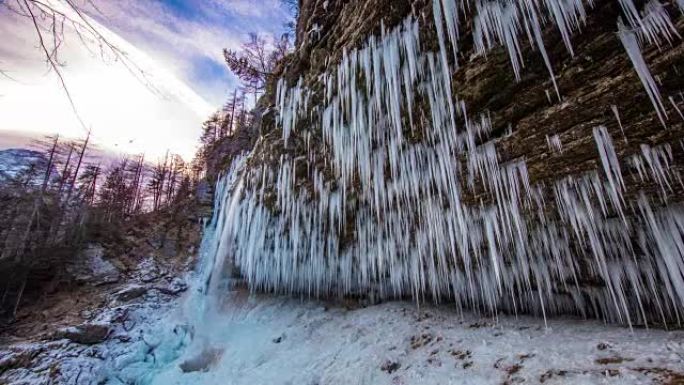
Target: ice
column 657, row 24
column 275, row 340
column 291, row 103
column 629, row 41
column 449, row 9
column 498, row 23
column 658, row 160
column 652, row 25
column 617, row 117
column 676, row 107
column 554, row 143
column 630, row 11
column 377, row 213
column 611, row 166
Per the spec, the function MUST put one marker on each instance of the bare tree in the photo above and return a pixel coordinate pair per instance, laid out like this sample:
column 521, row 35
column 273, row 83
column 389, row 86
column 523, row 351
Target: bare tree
column 53, row 21
column 87, row 183
column 255, row 62
column 75, row 174
column 229, row 117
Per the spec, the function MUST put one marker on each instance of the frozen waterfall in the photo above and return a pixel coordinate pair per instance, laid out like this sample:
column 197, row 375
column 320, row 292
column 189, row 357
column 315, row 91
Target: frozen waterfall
column 391, row 188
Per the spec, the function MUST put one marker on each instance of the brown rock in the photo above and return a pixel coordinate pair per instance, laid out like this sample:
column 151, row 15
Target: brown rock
column 86, row 334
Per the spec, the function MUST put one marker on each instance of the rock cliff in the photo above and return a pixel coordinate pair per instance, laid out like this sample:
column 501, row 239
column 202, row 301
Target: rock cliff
column 508, row 155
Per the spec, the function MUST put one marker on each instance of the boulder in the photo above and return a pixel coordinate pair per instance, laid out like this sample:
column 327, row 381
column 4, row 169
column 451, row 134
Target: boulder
column 86, row 334
column 130, row 293
column 202, row 361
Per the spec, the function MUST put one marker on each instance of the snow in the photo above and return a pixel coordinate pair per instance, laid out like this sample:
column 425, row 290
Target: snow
column 265, row 339
column 14, row 161
column 61, row 361
column 96, row 269
column 273, row 340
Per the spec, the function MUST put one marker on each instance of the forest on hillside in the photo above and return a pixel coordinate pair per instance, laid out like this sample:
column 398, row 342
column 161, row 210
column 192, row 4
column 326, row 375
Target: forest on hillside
column 67, row 193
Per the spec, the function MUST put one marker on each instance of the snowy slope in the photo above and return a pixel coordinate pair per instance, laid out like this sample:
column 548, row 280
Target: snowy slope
column 261, row 339
column 15, row 160
column 266, row 340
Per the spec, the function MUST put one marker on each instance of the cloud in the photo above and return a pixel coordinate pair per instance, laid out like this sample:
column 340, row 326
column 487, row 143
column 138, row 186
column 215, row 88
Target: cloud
column 178, row 42
column 265, row 9
column 186, row 34
column 123, row 112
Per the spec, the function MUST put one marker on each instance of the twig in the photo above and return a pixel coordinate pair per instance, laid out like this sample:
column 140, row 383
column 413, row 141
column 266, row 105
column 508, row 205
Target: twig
column 53, row 64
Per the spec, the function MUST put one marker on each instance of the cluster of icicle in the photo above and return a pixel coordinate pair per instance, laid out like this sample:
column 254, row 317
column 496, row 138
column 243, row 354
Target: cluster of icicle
column 380, row 214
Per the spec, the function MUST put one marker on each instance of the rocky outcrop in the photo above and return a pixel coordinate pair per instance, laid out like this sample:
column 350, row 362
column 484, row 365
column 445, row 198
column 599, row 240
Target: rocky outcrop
column 599, row 76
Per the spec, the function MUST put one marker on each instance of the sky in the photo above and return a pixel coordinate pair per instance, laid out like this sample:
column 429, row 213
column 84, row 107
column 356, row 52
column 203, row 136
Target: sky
column 177, row 43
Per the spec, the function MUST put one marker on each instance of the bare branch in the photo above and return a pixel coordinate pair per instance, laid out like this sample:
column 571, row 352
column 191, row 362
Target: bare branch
column 49, row 23
column 256, row 61
column 53, row 64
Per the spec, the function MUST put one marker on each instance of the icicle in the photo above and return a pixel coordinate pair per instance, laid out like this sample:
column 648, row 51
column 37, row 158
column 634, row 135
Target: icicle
column 676, row 107
column 656, row 23
column 629, row 41
column 364, row 210
column 611, row 166
column 501, row 22
column 449, row 9
column 617, row 117
column 495, row 20
column 631, row 13
column 658, row 160
column 554, row 143
column 564, row 19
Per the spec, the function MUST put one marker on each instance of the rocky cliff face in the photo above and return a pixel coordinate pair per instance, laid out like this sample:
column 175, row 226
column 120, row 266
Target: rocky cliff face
column 596, row 78
column 508, row 155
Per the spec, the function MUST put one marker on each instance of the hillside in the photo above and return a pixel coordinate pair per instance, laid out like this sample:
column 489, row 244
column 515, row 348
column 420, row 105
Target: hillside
column 15, row 160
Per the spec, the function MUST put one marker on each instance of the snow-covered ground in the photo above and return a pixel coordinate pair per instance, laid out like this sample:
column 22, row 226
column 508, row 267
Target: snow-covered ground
column 260, row 339
column 267, row 340
column 15, row 160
